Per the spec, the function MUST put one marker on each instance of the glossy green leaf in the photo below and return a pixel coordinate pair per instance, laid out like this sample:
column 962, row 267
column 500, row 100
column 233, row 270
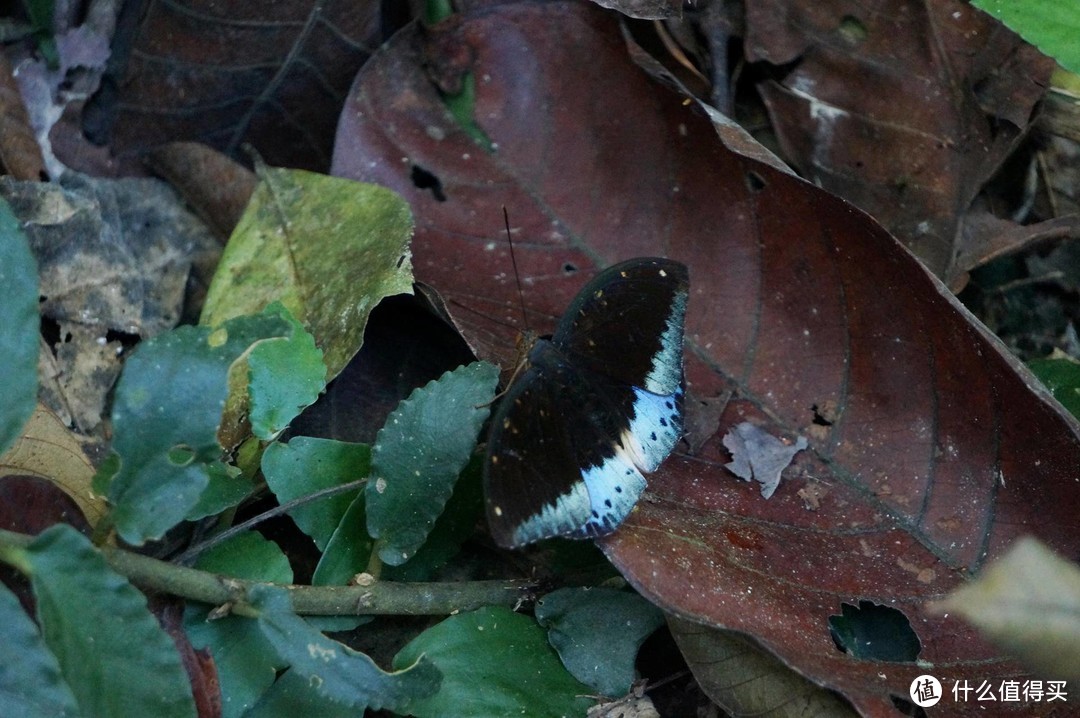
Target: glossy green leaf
column 348, row 551
column 419, row 453
column 333, row 669
column 246, row 663
column 494, row 663
column 597, row 633
column 226, row 488
column 1050, row 25
column 1061, row 375
column 19, row 327
column 285, row 375
column 328, row 248
column 166, row 415
column 30, row 681
column 292, row 696
column 111, row 650
column 306, row 465
column 457, row 522
column 247, row 555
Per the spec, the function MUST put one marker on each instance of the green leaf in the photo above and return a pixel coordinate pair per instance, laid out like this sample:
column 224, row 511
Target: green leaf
column 30, row 681
column 286, row 375
column 597, row 633
column 292, row 696
column 1061, row 375
column 166, row 415
column 1050, row 25
column 348, row 551
column 111, row 650
column 19, row 327
column 247, row 555
column 245, row 661
column 306, row 465
column 494, row 663
column 328, row 248
column 334, row 670
column 227, row 487
column 455, row 525
column 419, row 453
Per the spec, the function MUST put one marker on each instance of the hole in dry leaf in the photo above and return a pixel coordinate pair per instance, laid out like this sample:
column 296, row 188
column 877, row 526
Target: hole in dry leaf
column 50, row 333
column 755, row 182
column 422, row 179
column 126, row 339
column 907, row 708
column 819, row 418
column 569, row 268
column 874, row 632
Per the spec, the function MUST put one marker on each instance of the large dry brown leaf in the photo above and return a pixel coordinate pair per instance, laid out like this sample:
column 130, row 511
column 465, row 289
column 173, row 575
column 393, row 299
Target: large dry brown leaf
column 904, row 108
column 225, row 73
column 930, row 449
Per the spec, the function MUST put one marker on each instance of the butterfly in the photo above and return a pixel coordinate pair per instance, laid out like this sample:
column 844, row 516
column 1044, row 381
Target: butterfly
column 598, row 405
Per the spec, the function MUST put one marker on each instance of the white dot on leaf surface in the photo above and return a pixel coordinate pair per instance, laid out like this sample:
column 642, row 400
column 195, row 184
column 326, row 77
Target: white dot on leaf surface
column 380, row 485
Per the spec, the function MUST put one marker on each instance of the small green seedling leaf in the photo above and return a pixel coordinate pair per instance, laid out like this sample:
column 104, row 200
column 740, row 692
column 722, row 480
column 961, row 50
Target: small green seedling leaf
column 226, row 488
column 349, row 549
column 19, row 327
column 333, row 669
column 328, row 248
column 286, row 375
column 419, row 453
column 494, row 663
column 306, row 465
column 455, row 525
column 597, row 633
column 247, row 555
column 166, row 415
column 31, row 684
column 111, row 650
column 277, row 378
column 246, row 663
column 1061, row 375
column 292, row 695
column 1050, row 25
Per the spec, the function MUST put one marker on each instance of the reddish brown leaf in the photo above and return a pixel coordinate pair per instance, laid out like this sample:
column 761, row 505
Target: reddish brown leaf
column 20, row 155
column 930, row 449
column 224, row 73
column 215, row 186
column 905, row 108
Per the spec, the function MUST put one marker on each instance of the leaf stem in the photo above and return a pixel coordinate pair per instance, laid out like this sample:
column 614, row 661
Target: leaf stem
column 192, row 553
column 381, row 597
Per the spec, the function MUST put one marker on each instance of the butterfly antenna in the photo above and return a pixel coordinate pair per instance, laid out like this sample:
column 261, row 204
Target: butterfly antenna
column 517, row 276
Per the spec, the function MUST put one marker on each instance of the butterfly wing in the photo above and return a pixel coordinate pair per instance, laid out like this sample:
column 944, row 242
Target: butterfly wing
column 552, row 468
column 600, row 403
column 627, row 324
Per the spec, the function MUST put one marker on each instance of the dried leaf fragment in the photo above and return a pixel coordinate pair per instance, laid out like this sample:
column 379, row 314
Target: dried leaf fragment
column 756, row 454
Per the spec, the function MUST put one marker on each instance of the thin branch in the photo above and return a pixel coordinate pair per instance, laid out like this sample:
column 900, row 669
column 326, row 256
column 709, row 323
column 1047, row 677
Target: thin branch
column 381, row 597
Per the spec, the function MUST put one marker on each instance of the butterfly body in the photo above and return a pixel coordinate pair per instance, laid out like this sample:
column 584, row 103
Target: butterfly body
column 599, row 404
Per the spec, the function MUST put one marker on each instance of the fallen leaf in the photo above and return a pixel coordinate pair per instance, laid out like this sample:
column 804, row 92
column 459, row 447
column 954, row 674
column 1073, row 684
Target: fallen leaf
column 49, row 450
column 798, row 300
column 905, row 111
column 273, row 76
column 1028, row 602
column 759, row 456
